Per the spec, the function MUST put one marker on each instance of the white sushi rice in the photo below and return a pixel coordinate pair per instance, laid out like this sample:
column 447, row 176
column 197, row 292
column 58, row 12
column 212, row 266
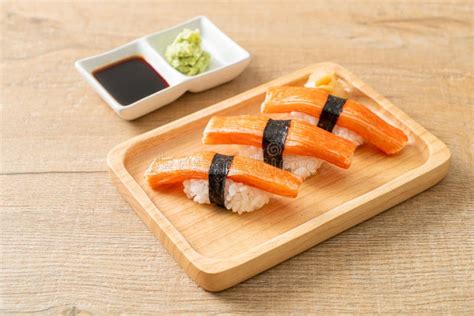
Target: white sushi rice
column 239, row 198
column 338, row 130
column 301, row 166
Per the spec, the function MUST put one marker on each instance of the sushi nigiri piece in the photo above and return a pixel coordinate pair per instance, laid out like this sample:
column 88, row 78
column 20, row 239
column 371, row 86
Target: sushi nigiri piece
column 332, row 110
column 281, row 141
column 334, row 85
column 238, row 183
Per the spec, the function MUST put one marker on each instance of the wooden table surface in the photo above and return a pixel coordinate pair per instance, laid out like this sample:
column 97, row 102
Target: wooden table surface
column 70, row 243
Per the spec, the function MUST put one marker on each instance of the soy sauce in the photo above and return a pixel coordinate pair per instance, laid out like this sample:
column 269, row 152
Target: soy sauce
column 130, row 79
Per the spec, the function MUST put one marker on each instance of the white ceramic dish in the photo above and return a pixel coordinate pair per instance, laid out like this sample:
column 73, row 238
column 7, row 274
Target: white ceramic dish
column 228, row 60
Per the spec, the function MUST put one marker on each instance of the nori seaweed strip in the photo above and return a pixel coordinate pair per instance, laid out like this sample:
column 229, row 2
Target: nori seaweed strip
column 218, row 171
column 330, row 113
column 273, row 142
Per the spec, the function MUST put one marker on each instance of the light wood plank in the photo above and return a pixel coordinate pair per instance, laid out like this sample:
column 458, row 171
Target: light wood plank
column 59, row 246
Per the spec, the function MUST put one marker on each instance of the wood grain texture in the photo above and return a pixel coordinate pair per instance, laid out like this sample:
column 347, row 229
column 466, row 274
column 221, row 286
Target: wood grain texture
column 69, row 241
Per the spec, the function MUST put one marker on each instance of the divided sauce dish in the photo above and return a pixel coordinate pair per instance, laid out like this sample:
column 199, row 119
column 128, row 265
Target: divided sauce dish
column 228, row 60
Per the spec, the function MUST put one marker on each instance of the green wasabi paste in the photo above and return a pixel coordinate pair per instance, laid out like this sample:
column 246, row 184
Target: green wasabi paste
column 186, row 54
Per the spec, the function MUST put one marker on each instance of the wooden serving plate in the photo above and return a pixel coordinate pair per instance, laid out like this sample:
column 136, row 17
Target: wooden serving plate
column 218, row 248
